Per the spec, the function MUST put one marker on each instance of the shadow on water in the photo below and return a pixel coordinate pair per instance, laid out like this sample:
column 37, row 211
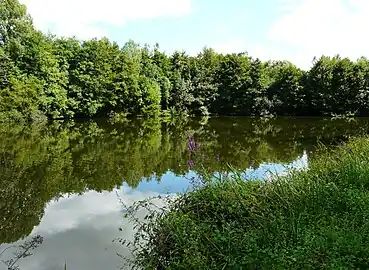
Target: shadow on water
column 41, row 164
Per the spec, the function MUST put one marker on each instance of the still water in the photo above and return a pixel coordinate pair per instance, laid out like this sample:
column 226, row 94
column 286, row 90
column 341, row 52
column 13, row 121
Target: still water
column 64, row 180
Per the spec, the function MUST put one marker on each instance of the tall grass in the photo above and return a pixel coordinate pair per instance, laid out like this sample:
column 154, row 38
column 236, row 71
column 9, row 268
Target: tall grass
column 317, row 218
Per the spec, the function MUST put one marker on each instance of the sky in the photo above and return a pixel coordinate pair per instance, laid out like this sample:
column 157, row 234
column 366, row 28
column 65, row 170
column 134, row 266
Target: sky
column 293, row 30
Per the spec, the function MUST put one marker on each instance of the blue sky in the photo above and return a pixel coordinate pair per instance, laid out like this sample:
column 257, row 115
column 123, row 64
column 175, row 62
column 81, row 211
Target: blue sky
column 294, row 30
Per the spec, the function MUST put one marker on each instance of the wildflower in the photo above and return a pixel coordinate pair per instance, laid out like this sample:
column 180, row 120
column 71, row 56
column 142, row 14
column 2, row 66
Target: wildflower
column 192, row 145
column 190, row 164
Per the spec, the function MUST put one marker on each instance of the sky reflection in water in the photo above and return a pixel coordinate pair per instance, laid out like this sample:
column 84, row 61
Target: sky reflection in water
column 79, row 229
column 74, row 161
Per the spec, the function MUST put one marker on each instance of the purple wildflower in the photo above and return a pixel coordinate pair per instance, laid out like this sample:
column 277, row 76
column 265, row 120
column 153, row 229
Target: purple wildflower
column 192, row 145
column 190, row 164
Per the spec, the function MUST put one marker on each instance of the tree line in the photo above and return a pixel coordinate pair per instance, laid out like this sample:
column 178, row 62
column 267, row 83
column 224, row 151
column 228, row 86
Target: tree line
column 44, row 75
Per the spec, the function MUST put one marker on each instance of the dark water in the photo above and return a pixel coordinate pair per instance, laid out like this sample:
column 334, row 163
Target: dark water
column 62, row 180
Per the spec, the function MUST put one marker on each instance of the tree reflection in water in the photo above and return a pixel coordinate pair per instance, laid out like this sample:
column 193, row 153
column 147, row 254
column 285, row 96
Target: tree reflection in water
column 41, row 162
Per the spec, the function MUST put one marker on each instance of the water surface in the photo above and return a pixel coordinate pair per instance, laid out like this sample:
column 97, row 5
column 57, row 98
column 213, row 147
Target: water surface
column 63, row 180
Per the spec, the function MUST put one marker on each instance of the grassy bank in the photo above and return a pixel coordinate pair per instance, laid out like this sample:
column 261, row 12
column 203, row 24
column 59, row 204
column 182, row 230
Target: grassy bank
column 317, row 218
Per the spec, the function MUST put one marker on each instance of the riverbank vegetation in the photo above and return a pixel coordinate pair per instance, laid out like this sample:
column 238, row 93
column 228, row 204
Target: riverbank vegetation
column 316, row 218
column 46, row 76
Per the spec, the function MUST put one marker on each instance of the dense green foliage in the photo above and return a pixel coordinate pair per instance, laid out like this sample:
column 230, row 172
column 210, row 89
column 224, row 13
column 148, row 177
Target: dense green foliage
column 41, row 162
column 312, row 219
column 64, row 77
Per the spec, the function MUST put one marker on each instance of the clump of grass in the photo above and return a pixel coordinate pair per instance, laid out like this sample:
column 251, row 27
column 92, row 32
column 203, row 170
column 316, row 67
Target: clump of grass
column 316, row 218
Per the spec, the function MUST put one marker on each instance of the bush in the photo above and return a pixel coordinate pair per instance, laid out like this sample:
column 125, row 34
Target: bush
column 21, row 101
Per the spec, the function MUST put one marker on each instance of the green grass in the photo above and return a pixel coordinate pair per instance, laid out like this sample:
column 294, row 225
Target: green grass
column 314, row 219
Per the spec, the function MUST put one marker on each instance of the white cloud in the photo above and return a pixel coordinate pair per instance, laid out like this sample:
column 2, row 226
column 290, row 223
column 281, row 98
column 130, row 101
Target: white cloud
column 308, row 28
column 79, row 230
column 89, row 18
column 303, row 29
column 235, row 45
column 89, row 210
column 265, row 52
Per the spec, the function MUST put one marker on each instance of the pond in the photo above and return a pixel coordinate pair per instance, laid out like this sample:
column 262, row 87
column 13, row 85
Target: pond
column 65, row 181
